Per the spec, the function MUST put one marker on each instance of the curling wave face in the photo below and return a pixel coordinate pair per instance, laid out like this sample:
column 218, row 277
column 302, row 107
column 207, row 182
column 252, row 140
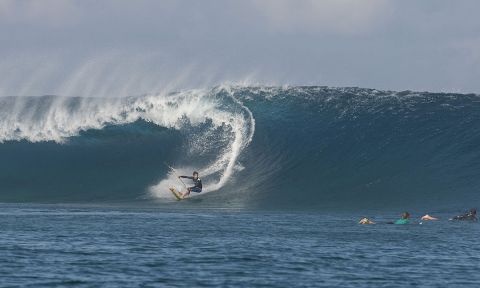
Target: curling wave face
column 253, row 146
column 215, row 128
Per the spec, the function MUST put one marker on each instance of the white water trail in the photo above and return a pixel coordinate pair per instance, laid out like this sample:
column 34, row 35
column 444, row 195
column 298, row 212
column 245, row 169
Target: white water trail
column 243, row 127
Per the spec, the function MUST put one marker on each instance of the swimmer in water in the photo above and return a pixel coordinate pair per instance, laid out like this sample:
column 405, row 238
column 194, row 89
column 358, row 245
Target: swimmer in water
column 427, row 217
column 404, row 220
column 365, row 221
column 468, row 216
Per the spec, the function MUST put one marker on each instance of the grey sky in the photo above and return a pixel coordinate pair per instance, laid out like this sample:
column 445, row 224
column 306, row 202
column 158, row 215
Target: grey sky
column 115, row 48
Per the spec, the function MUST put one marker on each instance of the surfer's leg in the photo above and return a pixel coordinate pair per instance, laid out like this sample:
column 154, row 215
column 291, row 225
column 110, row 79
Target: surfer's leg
column 186, row 193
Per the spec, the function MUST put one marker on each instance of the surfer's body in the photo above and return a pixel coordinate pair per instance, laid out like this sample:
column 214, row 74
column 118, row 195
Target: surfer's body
column 469, row 216
column 366, row 221
column 404, row 220
column 428, row 218
column 197, row 187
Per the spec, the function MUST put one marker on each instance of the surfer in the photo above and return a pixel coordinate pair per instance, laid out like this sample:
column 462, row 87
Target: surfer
column 197, row 188
column 404, row 219
column 427, row 217
column 365, row 221
column 469, row 216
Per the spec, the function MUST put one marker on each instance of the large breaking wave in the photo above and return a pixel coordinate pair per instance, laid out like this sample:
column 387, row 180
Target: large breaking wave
column 253, row 146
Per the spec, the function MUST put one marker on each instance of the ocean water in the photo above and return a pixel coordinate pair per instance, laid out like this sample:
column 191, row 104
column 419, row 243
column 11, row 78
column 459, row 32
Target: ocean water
column 255, row 147
column 82, row 246
column 287, row 174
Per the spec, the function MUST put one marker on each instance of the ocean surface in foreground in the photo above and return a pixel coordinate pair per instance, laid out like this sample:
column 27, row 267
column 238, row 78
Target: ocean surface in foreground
column 60, row 245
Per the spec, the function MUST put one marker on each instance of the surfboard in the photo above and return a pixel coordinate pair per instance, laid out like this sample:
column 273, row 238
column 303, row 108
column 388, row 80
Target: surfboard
column 176, row 193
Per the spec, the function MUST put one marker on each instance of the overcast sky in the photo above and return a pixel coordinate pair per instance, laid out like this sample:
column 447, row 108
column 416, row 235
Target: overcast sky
column 116, row 48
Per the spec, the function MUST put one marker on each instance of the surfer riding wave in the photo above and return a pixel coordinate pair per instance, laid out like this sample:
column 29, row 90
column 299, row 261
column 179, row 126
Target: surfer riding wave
column 197, row 188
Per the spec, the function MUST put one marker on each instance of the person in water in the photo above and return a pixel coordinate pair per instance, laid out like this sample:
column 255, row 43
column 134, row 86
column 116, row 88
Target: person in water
column 427, row 217
column 404, row 219
column 365, row 221
column 197, row 188
column 469, row 216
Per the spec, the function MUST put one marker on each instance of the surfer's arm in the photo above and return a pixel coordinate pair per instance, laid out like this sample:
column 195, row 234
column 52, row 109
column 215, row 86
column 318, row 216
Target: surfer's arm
column 188, row 177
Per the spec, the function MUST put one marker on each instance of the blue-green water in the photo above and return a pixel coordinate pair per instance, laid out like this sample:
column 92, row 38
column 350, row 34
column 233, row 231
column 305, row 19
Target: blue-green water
column 81, row 246
column 255, row 148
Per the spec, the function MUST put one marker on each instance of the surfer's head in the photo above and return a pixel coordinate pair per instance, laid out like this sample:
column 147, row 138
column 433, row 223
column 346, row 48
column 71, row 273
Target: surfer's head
column 195, row 175
column 405, row 215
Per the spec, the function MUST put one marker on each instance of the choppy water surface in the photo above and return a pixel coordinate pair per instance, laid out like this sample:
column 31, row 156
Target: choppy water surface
column 45, row 245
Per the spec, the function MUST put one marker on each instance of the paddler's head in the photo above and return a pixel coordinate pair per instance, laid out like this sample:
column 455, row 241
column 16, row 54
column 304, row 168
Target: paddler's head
column 405, row 215
column 195, row 175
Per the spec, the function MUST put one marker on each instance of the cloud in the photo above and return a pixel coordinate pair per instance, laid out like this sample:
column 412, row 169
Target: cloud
column 55, row 13
column 334, row 16
column 119, row 47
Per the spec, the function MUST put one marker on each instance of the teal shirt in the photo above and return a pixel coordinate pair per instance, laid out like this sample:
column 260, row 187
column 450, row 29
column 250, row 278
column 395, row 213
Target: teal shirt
column 402, row 221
